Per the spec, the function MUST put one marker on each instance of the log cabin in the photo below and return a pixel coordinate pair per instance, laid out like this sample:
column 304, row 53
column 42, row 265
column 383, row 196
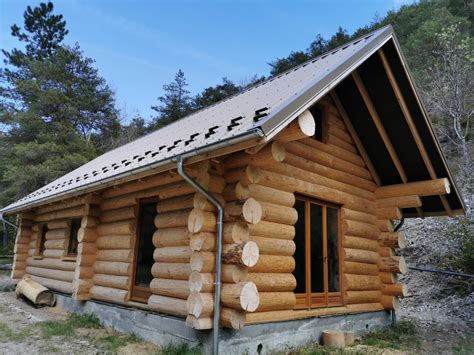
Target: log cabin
column 280, row 202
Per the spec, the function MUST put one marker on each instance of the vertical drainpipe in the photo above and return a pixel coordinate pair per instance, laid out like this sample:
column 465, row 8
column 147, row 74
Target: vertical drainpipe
column 217, row 287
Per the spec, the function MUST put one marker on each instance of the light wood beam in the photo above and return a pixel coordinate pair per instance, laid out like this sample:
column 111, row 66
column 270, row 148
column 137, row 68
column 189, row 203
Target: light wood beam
column 356, row 138
column 411, row 125
column 381, row 129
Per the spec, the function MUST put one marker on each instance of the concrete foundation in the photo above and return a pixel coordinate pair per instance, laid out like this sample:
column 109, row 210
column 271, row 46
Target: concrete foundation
column 252, row 339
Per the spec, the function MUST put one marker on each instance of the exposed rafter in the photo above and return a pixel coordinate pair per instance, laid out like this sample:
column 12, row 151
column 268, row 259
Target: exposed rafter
column 411, row 125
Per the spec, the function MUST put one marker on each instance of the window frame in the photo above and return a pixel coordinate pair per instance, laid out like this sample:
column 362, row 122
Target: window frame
column 309, row 299
column 73, row 221
column 139, row 293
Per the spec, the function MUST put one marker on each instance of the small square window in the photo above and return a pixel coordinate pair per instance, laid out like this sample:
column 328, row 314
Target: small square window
column 72, row 247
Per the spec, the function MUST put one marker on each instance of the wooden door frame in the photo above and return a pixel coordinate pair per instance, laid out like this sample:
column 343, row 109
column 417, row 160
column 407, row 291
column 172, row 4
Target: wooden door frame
column 328, row 297
column 139, row 293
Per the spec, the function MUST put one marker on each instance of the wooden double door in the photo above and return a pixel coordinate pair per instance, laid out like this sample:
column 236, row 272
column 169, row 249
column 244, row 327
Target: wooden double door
column 317, row 254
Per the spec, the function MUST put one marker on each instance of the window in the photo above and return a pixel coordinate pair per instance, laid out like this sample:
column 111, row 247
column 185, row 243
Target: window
column 317, row 254
column 42, row 239
column 72, row 246
column 144, row 250
column 319, row 119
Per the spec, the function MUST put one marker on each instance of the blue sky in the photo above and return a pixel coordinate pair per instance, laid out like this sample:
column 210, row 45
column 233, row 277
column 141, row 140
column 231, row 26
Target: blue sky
column 139, row 45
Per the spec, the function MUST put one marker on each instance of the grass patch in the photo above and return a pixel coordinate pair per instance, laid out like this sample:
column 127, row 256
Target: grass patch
column 6, row 334
column 67, row 328
column 111, row 343
column 180, row 349
column 400, row 336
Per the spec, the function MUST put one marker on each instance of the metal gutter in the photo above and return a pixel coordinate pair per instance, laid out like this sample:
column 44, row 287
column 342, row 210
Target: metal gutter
column 217, row 277
column 112, row 180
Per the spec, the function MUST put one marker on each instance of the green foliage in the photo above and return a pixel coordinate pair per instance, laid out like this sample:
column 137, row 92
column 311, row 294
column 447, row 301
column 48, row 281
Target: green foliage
column 181, row 349
column 216, row 93
column 56, row 112
column 111, row 343
column 67, row 328
column 402, row 335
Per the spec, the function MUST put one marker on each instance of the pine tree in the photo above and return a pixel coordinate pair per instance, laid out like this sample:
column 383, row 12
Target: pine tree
column 55, row 110
column 175, row 104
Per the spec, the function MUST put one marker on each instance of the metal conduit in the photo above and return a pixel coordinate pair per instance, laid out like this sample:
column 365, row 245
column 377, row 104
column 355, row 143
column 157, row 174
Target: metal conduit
column 220, row 217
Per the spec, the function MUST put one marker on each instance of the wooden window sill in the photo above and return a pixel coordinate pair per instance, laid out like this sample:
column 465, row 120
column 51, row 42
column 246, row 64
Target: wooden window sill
column 69, row 258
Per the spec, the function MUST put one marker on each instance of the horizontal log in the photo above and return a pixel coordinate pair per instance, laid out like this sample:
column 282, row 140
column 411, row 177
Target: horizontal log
column 113, row 268
column 168, row 237
column 234, row 273
column 361, row 282
column 62, row 205
column 274, row 264
column 117, row 228
column 388, row 277
column 232, row 318
column 244, row 253
column 302, row 127
column 409, row 201
column 64, row 224
column 328, row 160
column 83, row 272
column 174, row 271
column 392, row 240
column 360, row 229
column 203, row 261
column 201, row 221
column 89, row 221
column 272, row 301
column 124, row 255
column 86, row 248
column 357, row 216
column 54, row 264
column 86, row 234
column 108, row 294
column 235, row 232
column 390, row 302
column 399, row 290
column 357, row 297
column 265, row 194
column 200, row 201
column 272, row 152
column 202, row 242
column 60, row 275
column 55, row 285
column 394, row 264
column 118, row 202
column 176, row 203
column 272, row 246
column 120, row 214
column 172, row 254
column 335, row 151
column 61, row 214
column 386, row 251
column 249, row 210
column 21, row 248
column 57, row 234
column 54, row 253
column 352, row 267
column 241, row 296
column 113, row 242
column 84, row 260
column 200, row 304
column 389, row 213
column 361, row 256
column 334, row 140
column 170, row 288
column 420, row 188
column 270, row 282
column 272, row 230
column 201, row 282
column 168, row 305
column 172, row 219
column 278, row 214
column 113, row 281
column 385, row 225
column 199, row 323
column 360, row 243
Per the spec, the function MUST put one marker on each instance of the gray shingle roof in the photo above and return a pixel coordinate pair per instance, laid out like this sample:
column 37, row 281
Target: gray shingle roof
column 268, row 107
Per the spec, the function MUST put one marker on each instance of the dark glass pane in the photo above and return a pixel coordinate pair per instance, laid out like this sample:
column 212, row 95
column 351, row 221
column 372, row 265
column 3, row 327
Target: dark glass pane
column 333, row 252
column 75, row 225
column 145, row 260
column 317, row 260
column 300, row 269
column 44, row 230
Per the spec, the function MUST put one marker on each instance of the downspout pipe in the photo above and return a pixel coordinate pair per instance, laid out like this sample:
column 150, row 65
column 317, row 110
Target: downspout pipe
column 217, row 283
